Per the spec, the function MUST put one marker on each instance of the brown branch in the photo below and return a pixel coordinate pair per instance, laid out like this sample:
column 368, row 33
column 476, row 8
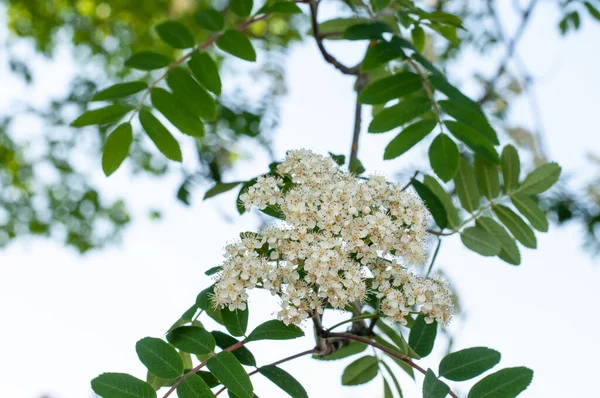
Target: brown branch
column 361, row 82
column 383, row 348
column 355, row 70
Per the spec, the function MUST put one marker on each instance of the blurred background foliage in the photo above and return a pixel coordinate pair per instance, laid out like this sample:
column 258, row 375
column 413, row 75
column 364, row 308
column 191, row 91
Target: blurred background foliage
column 45, row 191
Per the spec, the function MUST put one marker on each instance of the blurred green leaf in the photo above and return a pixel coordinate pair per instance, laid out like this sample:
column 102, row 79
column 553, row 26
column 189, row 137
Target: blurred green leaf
column 116, row 148
column 237, row 44
column 399, row 114
column 343, row 352
column 367, row 31
column 435, row 206
column 418, row 37
column 206, row 71
column 236, row 321
column 241, row 8
column 439, row 191
column 473, row 118
column 509, row 251
column 119, row 90
column 540, row 179
column 108, row 114
column 280, row 7
column 220, row 187
column 242, row 353
column 473, row 139
column 487, row 177
column 511, row 168
column 382, row 52
column 147, row 60
column 161, row 137
column 389, row 88
column 210, row 19
column 532, row 212
column 175, row 34
column 515, row 225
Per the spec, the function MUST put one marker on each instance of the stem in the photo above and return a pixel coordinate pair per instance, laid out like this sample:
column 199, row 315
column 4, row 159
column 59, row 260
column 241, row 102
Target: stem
column 436, row 109
column 197, row 368
column 185, row 57
column 437, row 249
column 409, row 183
column 361, row 82
column 356, row 318
column 383, row 348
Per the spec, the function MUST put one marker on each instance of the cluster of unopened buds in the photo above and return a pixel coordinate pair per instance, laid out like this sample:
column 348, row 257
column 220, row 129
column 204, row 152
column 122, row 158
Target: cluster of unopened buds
column 343, row 238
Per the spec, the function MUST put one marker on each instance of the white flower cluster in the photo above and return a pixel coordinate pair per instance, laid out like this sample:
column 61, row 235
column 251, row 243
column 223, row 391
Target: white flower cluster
column 339, row 230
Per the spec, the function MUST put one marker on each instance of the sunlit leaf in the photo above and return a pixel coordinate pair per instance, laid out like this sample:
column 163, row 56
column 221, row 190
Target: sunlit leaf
column 119, row 90
column 176, row 113
column 147, row 60
column 191, row 95
column 175, row 34
column 108, row 114
column 161, row 137
column 206, row 71
column 237, row 44
column 116, row 148
column 210, row 19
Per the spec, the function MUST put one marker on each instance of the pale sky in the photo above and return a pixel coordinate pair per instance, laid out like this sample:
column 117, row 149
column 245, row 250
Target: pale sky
column 67, row 318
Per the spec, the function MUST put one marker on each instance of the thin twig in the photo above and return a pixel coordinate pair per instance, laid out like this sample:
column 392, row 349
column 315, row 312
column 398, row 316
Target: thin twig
column 435, row 254
column 361, row 82
column 356, row 318
column 409, row 183
column 428, row 90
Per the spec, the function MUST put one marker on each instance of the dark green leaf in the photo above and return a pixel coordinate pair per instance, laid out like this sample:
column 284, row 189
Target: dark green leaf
column 121, row 385
column 445, row 18
column 159, row 357
column 194, row 387
column 242, row 354
column 439, row 191
column 191, row 95
column 444, row 157
column 473, row 118
column 206, row 71
column 284, row 380
column 407, row 368
column 540, row 179
column 147, row 60
column 435, row 206
column 531, row 211
column 505, row 383
column 155, row 381
column 116, row 148
column 422, row 336
column 237, row 44
column 192, row 339
column 367, row 31
column 440, row 83
column 175, row 34
column 173, row 109
column 231, row 373
column 399, row 340
column 418, row 37
column 408, row 138
column 236, row 321
column 242, row 8
column 387, row 391
column 161, row 137
column 356, row 167
column 339, row 159
column 280, row 7
column 468, row 363
column 473, row 139
column 394, row 379
column 592, row 10
column 399, row 114
column 466, row 186
column 516, row 226
column 417, row 56
column 213, row 270
column 108, row 114
column 221, row 187
column 210, row 19
column 487, row 177
column 360, row 371
column 391, row 87
column 119, row 90
column 203, row 301
column 338, row 25
column 480, row 241
column 275, row 330
column 509, row 251
column 511, row 168
column 381, row 53
column 208, row 378
column 433, row 387
column 343, row 352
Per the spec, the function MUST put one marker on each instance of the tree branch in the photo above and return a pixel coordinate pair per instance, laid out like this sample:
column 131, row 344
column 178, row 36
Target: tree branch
column 361, row 82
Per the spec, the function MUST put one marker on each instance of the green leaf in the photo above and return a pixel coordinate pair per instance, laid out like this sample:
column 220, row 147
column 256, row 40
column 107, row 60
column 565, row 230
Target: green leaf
column 422, row 336
column 210, row 19
column 468, row 363
column 389, row 88
column 356, row 167
column 275, row 330
column 231, row 373
column 435, row 206
column 155, row 381
column 407, row 368
column 505, row 383
column 116, row 148
column 284, row 380
column 367, row 31
column 119, row 90
column 445, row 18
column 466, row 186
column 177, row 113
column 194, row 387
column 532, row 212
column 540, row 179
column 360, row 371
column 592, row 10
column 192, row 339
column 242, row 354
column 473, row 118
column 175, row 34
column 480, row 241
column 161, row 137
column 473, row 139
column 396, row 336
column 147, row 60
column 343, row 352
column 511, row 168
column 440, row 83
column 433, row 387
column 338, row 25
column 399, row 114
column 381, row 53
column 208, row 378
column 408, row 138
column 509, row 251
column 394, row 379
column 206, row 71
column 387, row 391
column 439, row 191
column 235, row 43
column 487, row 177
column 418, row 37
column 108, row 114
column 241, row 8
column 444, row 157
column 121, row 385
column 213, row 270
column 203, row 301
column 515, row 225
column 159, row 357
column 191, row 95
column 236, row 321
column 221, row 187
column 280, row 7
